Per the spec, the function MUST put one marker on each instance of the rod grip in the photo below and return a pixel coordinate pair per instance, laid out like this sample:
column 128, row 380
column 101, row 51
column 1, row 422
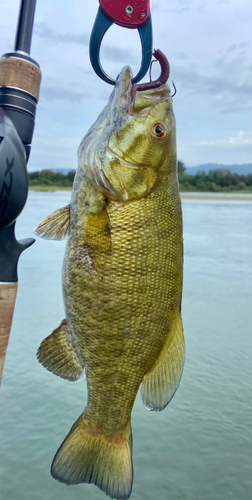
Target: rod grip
column 21, row 74
column 8, row 292
column 20, row 79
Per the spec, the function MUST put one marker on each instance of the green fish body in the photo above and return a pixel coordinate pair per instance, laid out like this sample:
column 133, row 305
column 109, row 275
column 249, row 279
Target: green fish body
column 122, row 284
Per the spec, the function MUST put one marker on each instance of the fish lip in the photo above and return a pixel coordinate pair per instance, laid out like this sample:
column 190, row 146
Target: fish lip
column 124, row 78
column 123, row 87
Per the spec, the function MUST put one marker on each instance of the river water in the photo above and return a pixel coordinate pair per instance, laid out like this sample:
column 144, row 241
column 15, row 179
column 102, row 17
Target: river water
column 200, row 446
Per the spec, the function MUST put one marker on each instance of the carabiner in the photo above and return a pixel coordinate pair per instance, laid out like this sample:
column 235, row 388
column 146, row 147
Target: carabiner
column 128, row 16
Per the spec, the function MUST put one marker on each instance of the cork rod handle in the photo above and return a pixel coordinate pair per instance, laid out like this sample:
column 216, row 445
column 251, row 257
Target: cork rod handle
column 8, row 292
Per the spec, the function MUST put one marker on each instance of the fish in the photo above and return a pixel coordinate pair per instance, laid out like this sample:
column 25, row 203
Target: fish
column 122, row 281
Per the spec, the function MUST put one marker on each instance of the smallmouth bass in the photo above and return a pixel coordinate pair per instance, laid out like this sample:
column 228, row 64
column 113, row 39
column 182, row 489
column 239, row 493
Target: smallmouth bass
column 122, row 283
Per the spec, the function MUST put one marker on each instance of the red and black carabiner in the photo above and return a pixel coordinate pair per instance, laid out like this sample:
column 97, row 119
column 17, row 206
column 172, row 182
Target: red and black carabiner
column 128, row 14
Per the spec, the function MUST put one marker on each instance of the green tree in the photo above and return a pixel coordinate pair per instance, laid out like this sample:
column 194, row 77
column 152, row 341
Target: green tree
column 181, row 167
column 215, row 180
column 181, row 170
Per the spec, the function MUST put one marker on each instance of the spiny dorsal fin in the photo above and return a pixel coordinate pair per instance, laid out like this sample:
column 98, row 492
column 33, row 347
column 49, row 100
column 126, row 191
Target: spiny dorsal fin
column 55, row 226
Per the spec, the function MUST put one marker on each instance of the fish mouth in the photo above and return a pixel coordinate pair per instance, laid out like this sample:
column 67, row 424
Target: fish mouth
column 126, row 92
column 123, row 86
column 123, row 80
column 155, row 84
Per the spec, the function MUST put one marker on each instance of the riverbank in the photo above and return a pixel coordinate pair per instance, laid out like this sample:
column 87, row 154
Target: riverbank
column 217, row 196
column 193, row 195
column 49, row 188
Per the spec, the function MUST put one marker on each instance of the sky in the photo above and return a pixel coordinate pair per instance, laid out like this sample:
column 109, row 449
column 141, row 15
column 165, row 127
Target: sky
column 209, row 47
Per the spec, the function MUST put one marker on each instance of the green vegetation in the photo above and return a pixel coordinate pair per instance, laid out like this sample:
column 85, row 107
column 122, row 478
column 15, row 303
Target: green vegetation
column 215, row 181
column 47, row 180
column 219, row 180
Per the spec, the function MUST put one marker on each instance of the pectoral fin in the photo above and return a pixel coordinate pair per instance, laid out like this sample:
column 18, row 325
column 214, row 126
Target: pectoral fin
column 59, row 356
column 161, row 382
column 55, row 226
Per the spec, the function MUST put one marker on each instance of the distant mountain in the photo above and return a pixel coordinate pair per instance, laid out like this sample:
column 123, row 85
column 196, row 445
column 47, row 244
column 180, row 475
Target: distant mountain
column 244, row 169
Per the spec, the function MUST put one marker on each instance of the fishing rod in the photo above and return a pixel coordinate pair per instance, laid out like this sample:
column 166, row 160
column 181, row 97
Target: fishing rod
column 20, row 78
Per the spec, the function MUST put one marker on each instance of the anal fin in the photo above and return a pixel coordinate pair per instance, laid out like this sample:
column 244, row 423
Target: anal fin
column 161, row 382
column 55, row 226
column 57, row 354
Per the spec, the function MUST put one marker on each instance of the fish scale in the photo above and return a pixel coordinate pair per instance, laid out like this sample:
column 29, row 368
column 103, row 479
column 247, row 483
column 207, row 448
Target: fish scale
column 131, row 251
column 122, row 284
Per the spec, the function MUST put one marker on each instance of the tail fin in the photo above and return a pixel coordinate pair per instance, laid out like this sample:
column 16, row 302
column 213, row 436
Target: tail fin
column 89, row 456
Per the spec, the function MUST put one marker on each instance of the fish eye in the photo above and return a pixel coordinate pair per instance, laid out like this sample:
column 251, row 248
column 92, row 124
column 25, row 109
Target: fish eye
column 158, row 130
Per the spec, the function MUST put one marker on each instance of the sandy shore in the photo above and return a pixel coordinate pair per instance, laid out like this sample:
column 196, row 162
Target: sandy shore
column 219, row 196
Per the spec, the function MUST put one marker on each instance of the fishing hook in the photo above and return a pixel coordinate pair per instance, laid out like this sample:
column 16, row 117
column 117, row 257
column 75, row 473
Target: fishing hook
column 174, row 86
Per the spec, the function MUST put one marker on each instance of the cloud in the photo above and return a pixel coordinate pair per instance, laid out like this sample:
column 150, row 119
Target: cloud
column 51, row 93
column 116, row 54
column 226, row 81
column 43, row 31
column 62, row 138
column 244, row 45
column 241, row 139
column 113, row 54
column 177, row 6
column 229, row 150
column 231, row 48
column 181, row 55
